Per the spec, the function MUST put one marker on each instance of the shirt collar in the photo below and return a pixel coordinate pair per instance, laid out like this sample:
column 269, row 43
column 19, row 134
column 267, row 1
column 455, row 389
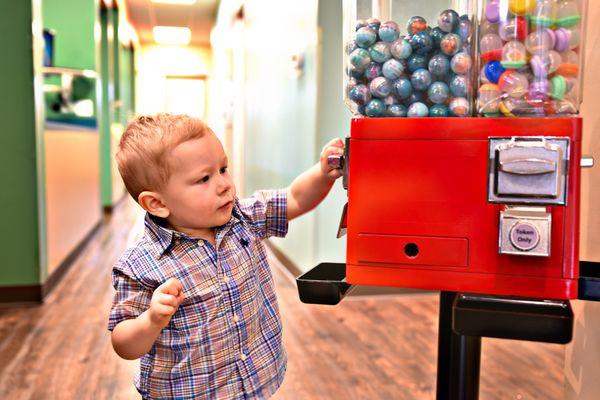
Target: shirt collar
column 163, row 238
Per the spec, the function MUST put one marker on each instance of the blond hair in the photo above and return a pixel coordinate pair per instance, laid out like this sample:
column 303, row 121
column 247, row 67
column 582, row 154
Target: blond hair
column 143, row 149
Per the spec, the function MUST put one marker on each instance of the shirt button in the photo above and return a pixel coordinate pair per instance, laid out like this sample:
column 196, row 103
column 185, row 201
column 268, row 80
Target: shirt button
column 225, row 279
column 236, row 318
column 243, row 357
column 201, row 243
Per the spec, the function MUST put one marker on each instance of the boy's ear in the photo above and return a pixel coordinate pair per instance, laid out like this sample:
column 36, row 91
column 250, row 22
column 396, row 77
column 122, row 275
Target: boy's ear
column 152, row 202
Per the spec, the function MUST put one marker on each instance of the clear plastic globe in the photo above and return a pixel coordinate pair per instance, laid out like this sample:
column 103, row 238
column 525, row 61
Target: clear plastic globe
column 567, row 13
column 513, row 83
column 514, row 55
column 540, row 41
column 544, row 13
column 490, row 47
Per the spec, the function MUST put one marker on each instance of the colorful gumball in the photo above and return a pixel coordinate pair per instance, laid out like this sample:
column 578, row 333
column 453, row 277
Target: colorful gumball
column 438, row 92
column 396, row 110
column 459, row 86
column 489, row 97
column 421, row 43
column 465, row 28
column 375, row 108
column 521, row 7
column 365, row 37
column 437, row 35
column 492, row 11
column 514, row 29
column 493, row 71
column 356, row 73
column 380, row 87
column 540, row 41
column 416, row 24
column 558, row 87
column 373, row 71
column 490, row 47
column 439, row 111
column 401, row 49
column 361, row 23
column 403, row 88
column 513, row 83
column 451, row 44
column 392, row 69
column 415, row 97
column 374, row 24
column 360, row 94
column 439, row 65
column 360, row 58
column 544, row 13
column 448, row 21
column 567, row 13
column 421, row 79
column 461, row 63
column 389, row 31
column 459, row 106
column 514, row 55
column 380, row 52
column 418, row 109
column 417, row 61
column 569, row 64
column 351, row 84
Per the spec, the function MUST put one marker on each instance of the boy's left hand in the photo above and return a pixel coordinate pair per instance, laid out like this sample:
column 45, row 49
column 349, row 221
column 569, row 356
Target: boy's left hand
column 336, row 146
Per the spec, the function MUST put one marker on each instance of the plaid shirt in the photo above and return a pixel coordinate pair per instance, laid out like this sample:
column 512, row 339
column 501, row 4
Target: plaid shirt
column 224, row 341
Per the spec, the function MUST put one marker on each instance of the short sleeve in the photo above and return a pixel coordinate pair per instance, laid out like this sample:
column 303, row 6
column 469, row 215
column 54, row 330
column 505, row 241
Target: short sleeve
column 131, row 298
column 266, row 210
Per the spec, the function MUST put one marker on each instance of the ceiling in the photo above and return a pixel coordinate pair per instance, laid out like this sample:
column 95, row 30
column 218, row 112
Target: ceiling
column 199, row 17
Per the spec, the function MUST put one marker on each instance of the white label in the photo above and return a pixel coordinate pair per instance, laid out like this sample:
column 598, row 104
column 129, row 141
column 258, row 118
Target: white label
column 524, row 236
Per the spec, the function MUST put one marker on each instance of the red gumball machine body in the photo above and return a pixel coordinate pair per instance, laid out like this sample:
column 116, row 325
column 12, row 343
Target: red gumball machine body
column 482, row 205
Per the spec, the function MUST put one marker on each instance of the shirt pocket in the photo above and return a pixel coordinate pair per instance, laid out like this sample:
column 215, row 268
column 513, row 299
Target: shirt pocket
column 201, row 304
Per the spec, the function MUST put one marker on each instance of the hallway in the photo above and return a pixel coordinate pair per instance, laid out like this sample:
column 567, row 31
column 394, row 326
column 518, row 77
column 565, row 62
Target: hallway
column 61, row 349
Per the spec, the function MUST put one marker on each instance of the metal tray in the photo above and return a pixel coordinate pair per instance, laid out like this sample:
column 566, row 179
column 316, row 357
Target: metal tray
column 324, row 284
column 549, row 321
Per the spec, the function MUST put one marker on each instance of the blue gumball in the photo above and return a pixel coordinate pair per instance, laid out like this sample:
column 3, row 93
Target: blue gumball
column 361, row 23
column 392, row 69
column 439, row 65
column 360, row 58
column 421, row 79
column 451, row 44
column 389, row 31
column 380, row 87
column 415, row 97
column 375, row 108
column 351, row 84
column 417, row 61
column 373, row 71
column 437, row 35
column 403, row 88
column 439, row 110
column 448, row 21
column 401, row 49
column 396, row 110
column 438, row 92
column 458, row 86
column 365, row 37
column 362, row 109
column 417, row 109
column 465, row 28
column 357, row 73
column 493, row 70
column 421, row 43
column 360, row 94
column 380, row 52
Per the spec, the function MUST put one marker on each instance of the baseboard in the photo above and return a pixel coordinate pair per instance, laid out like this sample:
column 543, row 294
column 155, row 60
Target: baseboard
column 295, row 271
column 35, row 294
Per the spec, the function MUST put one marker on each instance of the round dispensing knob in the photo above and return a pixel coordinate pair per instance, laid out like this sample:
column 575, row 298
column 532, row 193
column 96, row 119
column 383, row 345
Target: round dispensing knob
column 336, row 161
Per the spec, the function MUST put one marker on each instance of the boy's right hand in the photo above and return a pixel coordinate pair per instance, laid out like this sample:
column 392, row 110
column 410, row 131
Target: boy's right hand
column 165, row 302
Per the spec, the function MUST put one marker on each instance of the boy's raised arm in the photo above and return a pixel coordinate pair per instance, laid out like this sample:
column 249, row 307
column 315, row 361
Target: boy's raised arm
column 311, row 187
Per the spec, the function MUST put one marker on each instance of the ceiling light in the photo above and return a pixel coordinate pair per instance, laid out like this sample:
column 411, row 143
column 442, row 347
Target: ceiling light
column 184, row 2
column 172, row 35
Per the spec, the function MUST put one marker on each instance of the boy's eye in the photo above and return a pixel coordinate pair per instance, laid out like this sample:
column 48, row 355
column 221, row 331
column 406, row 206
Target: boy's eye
column 203, row 180
column 223, row 170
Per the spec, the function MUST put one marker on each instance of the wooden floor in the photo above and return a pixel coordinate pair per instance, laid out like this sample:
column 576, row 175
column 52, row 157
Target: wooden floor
column 380, row 347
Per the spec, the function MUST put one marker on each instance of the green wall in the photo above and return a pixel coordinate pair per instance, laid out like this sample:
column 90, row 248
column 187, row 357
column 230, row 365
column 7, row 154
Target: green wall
column 20, row 258
column 73, row 22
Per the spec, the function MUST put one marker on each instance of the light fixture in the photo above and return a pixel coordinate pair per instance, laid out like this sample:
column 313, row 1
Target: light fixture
column 172, row 35
column 183, row 2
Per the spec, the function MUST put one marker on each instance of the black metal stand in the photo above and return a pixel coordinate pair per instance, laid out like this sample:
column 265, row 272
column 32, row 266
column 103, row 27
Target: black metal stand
column 458, row 357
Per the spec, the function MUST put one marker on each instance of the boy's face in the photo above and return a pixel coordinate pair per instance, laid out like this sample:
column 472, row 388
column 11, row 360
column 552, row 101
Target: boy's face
column 200, row 192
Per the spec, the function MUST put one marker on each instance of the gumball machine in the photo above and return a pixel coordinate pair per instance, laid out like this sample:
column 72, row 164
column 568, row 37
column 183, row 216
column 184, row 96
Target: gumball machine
column 462, row 167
